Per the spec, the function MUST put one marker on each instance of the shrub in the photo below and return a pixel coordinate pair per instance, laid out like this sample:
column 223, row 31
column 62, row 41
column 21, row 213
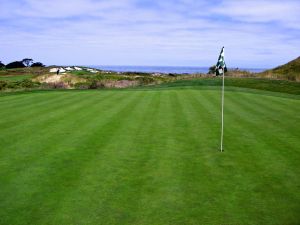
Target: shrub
column 18, row 84
column 26, row 83
column 3, row 84
column 57, row 85
column 13, row 85
column 136, row 73
column 37, row 64
column 145, row 80
column 291, row 77
column 82, row 85
column 95, row 84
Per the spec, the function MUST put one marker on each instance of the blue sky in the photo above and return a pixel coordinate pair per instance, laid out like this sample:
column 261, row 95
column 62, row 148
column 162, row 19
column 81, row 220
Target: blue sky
column 255, row 33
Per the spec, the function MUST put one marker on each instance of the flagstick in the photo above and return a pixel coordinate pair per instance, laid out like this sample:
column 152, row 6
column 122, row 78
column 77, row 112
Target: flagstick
column 222, row 129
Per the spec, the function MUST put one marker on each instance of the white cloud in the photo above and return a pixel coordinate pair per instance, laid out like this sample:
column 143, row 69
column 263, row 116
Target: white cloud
column 262, row 11
column 57, row 8
column 121, row 32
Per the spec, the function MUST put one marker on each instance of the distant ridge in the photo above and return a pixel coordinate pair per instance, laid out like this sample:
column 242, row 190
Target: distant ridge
column 288, row 71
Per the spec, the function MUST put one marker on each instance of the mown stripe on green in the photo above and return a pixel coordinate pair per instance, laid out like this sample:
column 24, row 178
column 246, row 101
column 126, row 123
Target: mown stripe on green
column 47, row 108
column 273, row 170
column 55, row 168
column 122, row 161
column 22, row 104
column 36, row 127
column 152, row 158
column 55, row 130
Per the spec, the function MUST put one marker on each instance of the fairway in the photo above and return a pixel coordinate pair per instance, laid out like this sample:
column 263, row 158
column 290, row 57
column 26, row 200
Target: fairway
column 149, row 156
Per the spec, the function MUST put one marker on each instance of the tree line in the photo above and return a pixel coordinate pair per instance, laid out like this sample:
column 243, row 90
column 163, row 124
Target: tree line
column 27, row 62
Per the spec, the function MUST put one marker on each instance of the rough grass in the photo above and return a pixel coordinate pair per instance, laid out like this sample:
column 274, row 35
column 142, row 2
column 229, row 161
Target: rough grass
column 80, row 72
column 16, row 78
column 288, row 71
column 24, row 71
column 148, row 157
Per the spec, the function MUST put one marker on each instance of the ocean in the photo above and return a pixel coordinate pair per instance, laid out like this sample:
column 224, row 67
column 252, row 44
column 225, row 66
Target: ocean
column 164, row 69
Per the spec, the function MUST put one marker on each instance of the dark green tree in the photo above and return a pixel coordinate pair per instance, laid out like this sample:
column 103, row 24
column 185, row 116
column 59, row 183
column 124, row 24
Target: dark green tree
column 212, row 69
column 27, row 62
column 37, row 64
column 16, row 64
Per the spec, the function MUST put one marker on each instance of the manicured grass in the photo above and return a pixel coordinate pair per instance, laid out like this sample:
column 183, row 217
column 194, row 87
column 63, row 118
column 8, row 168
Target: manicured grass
column 282, row 86
column 149, row 157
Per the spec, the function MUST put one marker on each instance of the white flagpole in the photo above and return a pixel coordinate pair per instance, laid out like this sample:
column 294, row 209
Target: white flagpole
column 222, row 128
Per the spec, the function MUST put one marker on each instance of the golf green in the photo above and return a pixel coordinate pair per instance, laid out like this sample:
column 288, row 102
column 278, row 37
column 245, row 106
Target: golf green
column 149, row 157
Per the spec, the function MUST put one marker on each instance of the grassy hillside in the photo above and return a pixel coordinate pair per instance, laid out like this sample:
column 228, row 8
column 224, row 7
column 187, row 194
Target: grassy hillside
column 33, row 71
column 41, row 78
column 289, row 71
column 149, row 157
column 15, row 78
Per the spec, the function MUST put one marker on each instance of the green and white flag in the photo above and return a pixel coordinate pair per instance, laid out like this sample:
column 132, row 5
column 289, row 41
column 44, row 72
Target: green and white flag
column 221, row 65
column 220, row 70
